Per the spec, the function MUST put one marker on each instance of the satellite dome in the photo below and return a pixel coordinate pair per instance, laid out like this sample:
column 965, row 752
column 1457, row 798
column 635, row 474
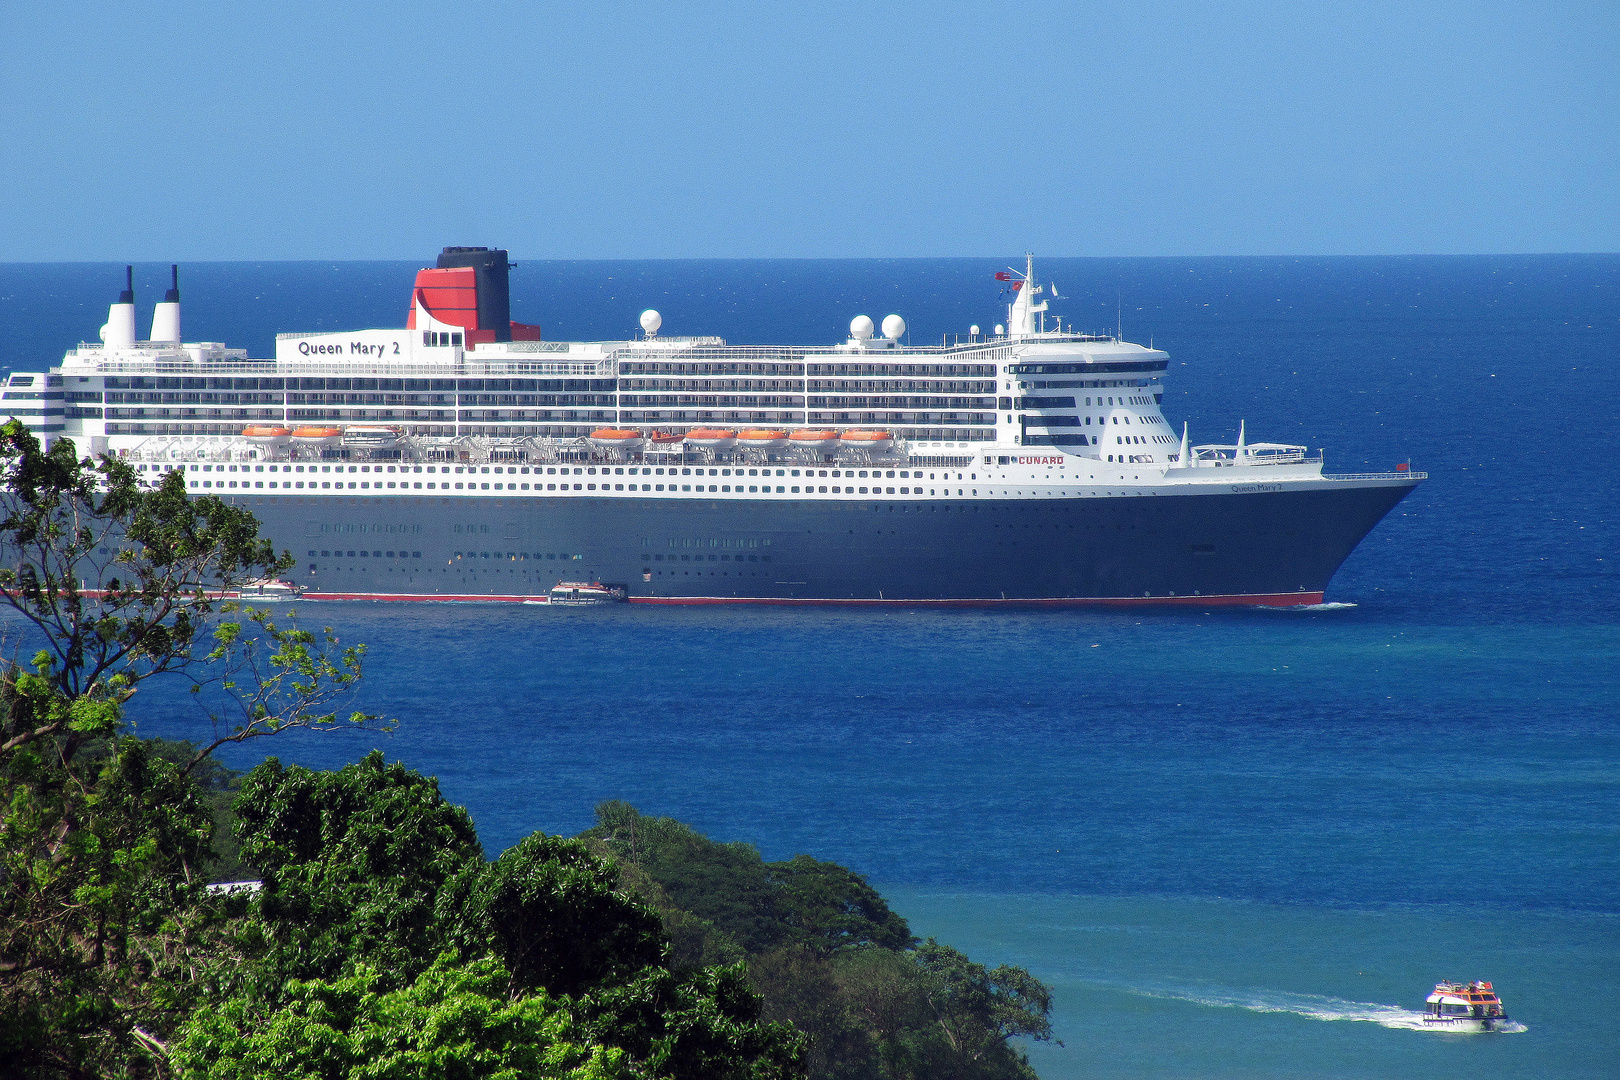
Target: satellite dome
column 894, row 327
column 651, row 321
column 860, row 327
column 1000, row 330
column 974, row 329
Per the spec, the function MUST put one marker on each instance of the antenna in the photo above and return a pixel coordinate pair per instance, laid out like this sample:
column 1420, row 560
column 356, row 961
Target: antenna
column 1119, row 315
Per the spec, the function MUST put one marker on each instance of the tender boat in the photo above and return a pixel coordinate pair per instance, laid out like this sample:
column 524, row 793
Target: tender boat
column 586, row 593
column 266, row 435
column 712, row 438
column 813, row 438
column 317, row 436
column 1465, row 1007
column 370, row 436
column 877, row 440
column 615, row 437
column 269, row 591
column 762, row 439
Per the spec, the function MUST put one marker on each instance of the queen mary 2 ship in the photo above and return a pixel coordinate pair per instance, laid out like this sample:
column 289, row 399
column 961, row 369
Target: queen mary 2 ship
column 465, row 457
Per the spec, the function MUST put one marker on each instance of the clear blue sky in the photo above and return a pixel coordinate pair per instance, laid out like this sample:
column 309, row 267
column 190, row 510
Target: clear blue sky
column 363, row 130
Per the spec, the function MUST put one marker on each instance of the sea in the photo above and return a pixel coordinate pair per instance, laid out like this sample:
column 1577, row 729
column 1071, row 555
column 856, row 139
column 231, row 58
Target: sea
column 1236, row 843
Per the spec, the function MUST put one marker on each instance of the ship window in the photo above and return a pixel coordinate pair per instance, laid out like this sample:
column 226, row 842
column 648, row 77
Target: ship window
column 863, row 477
column 753, row 487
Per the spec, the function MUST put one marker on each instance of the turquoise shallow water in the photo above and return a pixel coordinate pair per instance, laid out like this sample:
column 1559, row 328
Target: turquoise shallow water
column 1226, row 988
column 1212, row 832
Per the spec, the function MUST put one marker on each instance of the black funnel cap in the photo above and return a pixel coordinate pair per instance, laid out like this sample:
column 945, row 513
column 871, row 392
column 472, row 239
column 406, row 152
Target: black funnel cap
column 173, row 295
column 128, row 295
column 491, row 272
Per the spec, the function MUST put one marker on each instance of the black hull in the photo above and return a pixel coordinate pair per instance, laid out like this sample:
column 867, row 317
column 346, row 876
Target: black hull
column 1276, row 547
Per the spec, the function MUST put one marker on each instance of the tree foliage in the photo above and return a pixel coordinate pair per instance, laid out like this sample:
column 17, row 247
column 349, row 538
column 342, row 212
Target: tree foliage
column 829, row 957
column 104, row 841
column 453, row 1021
column 352, row 863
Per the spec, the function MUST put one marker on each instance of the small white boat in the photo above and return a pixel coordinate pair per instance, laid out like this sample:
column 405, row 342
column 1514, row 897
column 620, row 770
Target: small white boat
column 370, row 436
column 1465, row 1007
column 586, row 593
column 268, row 591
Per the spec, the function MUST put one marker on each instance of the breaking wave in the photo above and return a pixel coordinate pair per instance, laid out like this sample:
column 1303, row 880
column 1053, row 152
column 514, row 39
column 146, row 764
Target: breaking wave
column 1314, row 1006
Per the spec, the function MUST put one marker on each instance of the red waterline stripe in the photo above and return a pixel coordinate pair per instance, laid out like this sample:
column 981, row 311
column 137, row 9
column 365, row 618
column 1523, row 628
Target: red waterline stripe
column 1234, row 600
column 1258, row 600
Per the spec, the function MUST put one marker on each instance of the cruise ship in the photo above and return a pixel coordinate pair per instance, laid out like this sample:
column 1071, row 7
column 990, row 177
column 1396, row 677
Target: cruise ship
column 466, row 457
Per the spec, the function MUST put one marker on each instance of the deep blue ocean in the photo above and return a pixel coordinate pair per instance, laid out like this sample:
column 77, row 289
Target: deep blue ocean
column 1237, row 843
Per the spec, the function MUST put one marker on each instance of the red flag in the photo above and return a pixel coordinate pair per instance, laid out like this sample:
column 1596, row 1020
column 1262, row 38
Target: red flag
column 1017, row 285
column 1403, row 467
column 1002, row 275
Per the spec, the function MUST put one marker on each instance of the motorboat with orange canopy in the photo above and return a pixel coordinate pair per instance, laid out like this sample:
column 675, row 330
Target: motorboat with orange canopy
column 1470, row 1006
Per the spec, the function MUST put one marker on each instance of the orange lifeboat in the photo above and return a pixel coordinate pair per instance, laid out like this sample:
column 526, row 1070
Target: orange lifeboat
column 663, row 438
column 762, row 438
column 615, row 437
column 867, row 438
column 317, row 436
column 266, row 435
column 711, row 437
column 809, row 437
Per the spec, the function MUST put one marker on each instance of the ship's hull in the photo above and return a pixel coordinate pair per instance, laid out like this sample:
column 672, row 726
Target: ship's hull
column 1272, row 547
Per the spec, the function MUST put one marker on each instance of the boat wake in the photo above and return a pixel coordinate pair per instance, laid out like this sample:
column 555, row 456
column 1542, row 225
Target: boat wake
column 1318, row 607
column 1314, row 1006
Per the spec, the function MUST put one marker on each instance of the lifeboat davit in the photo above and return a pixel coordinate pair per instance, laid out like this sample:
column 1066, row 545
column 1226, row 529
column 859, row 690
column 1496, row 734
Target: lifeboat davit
column 762, row 439
column 810, row 437
column 265, row 435
column 317, row 436
column 370, row 436
column 614, row 437
column 711, row 437
column 868, row 439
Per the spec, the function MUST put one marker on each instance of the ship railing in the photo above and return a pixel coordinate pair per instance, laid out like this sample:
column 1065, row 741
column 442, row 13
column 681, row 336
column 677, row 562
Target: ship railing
column 1403, row 474
column 1257, row 461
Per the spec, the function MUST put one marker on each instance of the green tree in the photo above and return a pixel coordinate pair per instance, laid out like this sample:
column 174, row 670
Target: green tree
column 725, row 885
column 828, row 907
column 553, row 913
column 453, row 1021
column 353, row 862
column 105, row 844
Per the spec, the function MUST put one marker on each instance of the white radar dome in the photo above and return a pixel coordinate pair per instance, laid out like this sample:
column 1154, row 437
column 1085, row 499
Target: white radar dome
column 1000, row 329
column 894, row 327
column 651, row 321
column 974, row 329
column 860, row 327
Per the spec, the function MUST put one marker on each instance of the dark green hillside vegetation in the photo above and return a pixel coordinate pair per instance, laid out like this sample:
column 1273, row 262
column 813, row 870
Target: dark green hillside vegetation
column 827, row 955
column 379, row 941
